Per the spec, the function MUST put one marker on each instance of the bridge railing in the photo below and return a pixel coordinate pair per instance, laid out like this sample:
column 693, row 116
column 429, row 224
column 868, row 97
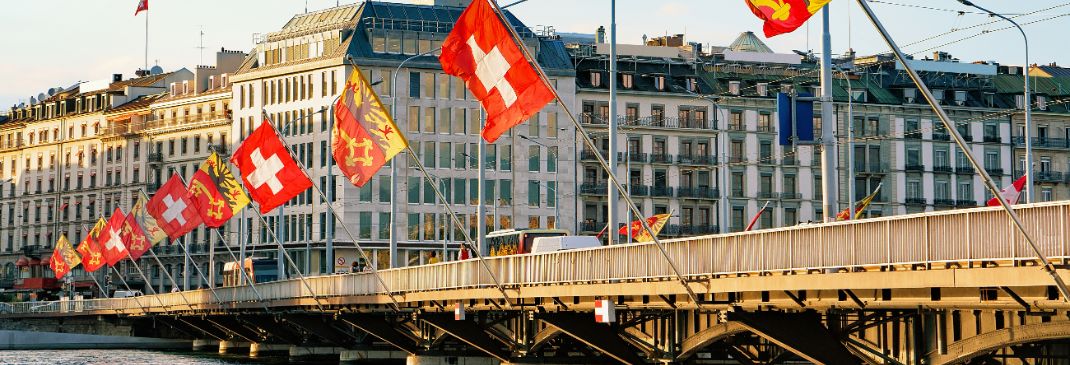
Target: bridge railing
column 960, row 236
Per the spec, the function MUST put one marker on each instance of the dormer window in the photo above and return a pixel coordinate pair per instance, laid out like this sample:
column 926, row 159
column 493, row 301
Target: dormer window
column 185, row 87
column 762, row 89
column 596, row 79
column 733, row 87
column 659, row 83
column 692, row 84
column 626, row 80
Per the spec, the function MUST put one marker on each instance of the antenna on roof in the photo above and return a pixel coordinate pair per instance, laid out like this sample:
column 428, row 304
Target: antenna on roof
column 201, row 46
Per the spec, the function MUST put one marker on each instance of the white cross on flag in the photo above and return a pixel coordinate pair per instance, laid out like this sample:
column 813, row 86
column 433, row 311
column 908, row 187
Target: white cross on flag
column 114, row 249
column 458, row 312
column 1010, row 194
column 172, row 208
column 269, row 173
column 604, row 312
column 481, row 51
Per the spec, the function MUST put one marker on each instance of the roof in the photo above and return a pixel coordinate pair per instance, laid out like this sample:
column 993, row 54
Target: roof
column 749, row 42
column 141, row 102
column 1052, row 71
column 146, row 81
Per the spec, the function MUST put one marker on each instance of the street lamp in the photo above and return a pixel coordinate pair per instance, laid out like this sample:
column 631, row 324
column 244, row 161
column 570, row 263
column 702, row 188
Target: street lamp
column 557, row 174
column 1027, row 104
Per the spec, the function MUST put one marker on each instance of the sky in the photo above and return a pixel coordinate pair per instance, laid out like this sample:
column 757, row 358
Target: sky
column 51, row 43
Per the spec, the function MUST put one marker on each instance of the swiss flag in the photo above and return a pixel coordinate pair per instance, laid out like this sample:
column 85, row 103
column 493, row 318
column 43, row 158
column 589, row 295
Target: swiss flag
column 172, row 208
column 1009, row 194
column 267, row 170
column 111, row 238
column 604, row 311
column 481, row 51
column 142, row 5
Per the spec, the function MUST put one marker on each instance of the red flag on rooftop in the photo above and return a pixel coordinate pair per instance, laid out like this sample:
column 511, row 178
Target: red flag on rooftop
column 142, row 5
column 481, row 51
column 784, row 16
column 1010, row 194
column 364, row 136
column 268, row 171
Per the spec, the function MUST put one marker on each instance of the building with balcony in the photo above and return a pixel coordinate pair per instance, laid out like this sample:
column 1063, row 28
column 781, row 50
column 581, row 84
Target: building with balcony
column 66, row 160
column 296, row 73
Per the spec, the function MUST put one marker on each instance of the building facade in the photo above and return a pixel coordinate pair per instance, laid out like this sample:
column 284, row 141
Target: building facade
column 296, row 74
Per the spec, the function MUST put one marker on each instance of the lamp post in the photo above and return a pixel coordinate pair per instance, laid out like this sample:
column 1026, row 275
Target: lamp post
column 1027, row 104
column 393, row 164
column 557, row 174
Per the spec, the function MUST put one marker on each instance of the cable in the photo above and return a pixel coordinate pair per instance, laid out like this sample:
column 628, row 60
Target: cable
column 926, row 7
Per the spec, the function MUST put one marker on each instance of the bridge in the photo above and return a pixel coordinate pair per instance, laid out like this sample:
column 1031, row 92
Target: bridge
column 952, row 287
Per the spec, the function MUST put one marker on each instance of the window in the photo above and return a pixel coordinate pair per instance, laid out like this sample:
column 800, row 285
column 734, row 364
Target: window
column 429, row 120
column 534, row 157
column 659, row 82
column 913, row 189
column 551, row 159
column 413, row 187
column 965, row 192
column 626, row 80
column 427, row 86
column 596, row 79
column 414, row 119
column 534, row 193
column 414, row 84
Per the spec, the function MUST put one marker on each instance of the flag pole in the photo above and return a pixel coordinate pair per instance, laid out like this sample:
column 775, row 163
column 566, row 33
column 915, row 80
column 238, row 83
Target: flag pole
column 148, row 283
column 241, row 267
column 287, row 257
column 950, row 126
column 174, row 284
column 120, row 276
column 146, row 38
column 598, row 156
column 197, row 269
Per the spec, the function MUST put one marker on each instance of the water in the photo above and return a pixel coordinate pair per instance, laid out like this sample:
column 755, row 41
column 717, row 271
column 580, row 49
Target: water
column 131, row 357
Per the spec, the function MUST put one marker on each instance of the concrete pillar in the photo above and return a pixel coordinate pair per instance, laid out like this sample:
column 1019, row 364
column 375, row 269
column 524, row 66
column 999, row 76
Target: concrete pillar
column 205, row 345
column 257, row 349
column 315, row 352
column 371, row 356
column 232, row 346
column 450, row 360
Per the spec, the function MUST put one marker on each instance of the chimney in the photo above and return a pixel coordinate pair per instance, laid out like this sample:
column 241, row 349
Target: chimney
column 141, row 73
column 600, row 35
column 116, row 77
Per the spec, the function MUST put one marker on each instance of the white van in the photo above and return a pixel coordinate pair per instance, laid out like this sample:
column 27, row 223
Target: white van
column 550, row 244
column 127, row 294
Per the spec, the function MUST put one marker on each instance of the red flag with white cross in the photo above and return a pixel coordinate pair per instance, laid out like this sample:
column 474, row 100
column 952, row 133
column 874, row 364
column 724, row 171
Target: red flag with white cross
column 111, row 238
column 481, row 51
column 268, row 172
column 173, row 210
column 142, row 5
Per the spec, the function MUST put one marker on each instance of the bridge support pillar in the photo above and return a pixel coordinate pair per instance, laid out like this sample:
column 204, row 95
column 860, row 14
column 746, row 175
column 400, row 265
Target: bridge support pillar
column 310, row 352
column 232, row 346
column 450, row 360
column 257, row 349
column 371, row 356
column 205, row 345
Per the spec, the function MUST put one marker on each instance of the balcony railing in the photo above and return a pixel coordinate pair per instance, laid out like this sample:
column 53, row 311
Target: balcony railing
column 765, row 128
column 650, row 121
column 591, row 226
column 699, row 193
column 661, row 191
column 1048, row 176
column 633, row 157
column 942, row 137
column 768, row 195
column 155, row 157
column 661, row 158
column 995, row 171
column 736, row 127
column 965, row 203
column 914, row 167
column 944, row 169
column 791, row 196
column 696, row 160
column 588, row 155
column 596, row 188
column 944, row 202
column 871, row 168
column 639, row 190
column 218, row 148
column 182, row 121
column 992, row 139
column 916, row 201
column 965, row 170
column 1044, row 142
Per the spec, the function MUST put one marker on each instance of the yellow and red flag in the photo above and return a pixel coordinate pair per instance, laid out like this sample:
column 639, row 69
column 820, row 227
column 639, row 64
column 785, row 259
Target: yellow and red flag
column 860, row 207
column 92, row 252
column 656, row 223
column 64, row 257
column 364, row 136
column 146, row 223
column 216, row 193
column 784, row 16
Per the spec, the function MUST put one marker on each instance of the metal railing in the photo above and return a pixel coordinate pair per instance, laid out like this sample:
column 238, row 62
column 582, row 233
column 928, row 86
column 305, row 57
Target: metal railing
column 930, row 239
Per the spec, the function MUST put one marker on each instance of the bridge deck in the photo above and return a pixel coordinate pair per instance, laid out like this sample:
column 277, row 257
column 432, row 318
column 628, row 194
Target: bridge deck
column 835, row 252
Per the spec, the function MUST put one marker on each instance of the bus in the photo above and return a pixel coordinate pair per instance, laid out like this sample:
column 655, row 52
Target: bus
column 517, row 241
column 259, row 269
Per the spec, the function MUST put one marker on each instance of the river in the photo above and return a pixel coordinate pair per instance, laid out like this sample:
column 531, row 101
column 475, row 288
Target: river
column 131, row 357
